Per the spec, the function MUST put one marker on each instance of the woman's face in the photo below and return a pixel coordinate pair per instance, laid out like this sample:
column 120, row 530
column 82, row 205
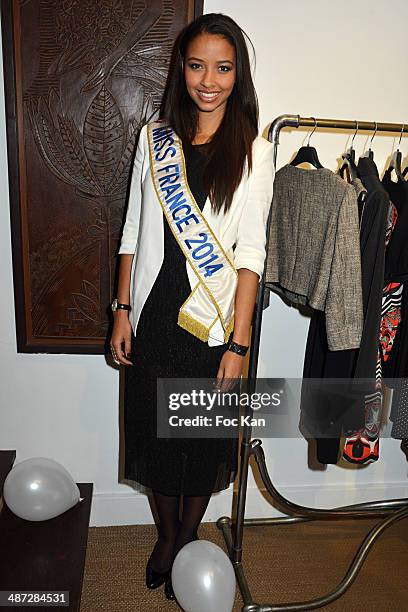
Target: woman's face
column 210, row 72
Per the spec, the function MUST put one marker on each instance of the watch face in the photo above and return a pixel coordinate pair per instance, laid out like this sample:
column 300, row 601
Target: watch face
column 114, row 305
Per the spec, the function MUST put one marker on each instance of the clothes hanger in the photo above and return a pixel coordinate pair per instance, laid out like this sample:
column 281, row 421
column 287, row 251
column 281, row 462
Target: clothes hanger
column 370, row 152
column 395, row 163
column 307, row 154
column 349, row 160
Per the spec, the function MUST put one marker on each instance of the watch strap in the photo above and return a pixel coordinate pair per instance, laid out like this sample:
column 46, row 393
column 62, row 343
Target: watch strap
column 239, row 349
column 119, row 306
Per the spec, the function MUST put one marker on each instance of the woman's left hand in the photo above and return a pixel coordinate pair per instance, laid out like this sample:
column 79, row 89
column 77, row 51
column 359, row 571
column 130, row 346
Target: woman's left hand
column 230, row 370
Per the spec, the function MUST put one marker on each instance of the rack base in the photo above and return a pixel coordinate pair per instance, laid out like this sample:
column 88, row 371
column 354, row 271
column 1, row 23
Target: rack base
column 392, row 510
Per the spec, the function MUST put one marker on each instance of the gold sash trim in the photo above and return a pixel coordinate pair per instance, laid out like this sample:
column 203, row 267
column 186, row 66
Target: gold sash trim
column 212, row 299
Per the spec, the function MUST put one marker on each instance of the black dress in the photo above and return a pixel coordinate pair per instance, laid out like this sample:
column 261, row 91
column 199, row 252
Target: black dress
column 161, row 348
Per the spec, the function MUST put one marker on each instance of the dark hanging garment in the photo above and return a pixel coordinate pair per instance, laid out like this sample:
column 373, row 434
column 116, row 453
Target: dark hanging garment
column 396, row 271
column 395, row 367
column 392, row 338
column 399, row 410
column 373, row 249
column 326, row 417
column 396, row 262
column 362, row 446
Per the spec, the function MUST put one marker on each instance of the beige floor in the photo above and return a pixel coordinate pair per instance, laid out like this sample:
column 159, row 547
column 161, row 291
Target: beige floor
column 282, row 564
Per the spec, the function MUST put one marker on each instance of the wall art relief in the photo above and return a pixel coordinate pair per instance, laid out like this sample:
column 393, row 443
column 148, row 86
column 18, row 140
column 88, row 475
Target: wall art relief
column 81, row 78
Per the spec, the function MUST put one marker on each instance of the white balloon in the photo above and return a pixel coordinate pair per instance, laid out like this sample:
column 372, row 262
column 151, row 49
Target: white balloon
column 203, row 578
column 39, row 489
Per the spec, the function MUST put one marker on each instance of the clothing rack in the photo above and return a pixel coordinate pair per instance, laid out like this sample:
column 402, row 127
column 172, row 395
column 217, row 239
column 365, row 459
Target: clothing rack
column 392, row 510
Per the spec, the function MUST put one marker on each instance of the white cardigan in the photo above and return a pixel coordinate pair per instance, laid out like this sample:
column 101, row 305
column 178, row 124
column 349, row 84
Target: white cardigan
column 241, row 230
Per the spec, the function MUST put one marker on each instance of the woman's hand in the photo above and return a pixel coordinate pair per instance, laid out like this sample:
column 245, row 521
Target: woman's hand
column 232, row 364
column 121, row 333
column 230, row 370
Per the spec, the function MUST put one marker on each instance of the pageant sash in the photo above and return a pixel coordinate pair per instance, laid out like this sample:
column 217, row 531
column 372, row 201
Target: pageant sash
column 212, row 299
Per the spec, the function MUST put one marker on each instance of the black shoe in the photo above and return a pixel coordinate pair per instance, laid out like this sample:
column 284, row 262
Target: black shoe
column 155, row 579
column 168, row 588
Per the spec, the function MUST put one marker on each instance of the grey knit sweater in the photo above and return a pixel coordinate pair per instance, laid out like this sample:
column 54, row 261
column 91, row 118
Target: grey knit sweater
column 314, row 249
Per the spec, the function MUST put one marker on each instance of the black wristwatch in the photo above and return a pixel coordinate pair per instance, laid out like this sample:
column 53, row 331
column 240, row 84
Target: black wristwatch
column 239, row 349
column 118, row 306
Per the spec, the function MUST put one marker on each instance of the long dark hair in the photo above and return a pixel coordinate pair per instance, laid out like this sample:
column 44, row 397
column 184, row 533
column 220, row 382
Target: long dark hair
column 232, row 142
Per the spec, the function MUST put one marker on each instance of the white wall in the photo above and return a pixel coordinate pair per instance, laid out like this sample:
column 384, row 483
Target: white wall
column 339, row 60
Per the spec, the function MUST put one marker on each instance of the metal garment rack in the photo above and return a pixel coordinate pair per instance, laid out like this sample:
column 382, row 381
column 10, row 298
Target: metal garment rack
column 392, row 510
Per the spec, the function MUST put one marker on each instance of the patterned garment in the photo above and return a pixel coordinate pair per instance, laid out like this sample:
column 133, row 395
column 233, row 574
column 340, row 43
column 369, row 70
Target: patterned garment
column 391, row 317
column 363, row 446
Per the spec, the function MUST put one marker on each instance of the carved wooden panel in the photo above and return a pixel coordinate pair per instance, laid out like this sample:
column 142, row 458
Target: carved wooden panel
column 81, row 78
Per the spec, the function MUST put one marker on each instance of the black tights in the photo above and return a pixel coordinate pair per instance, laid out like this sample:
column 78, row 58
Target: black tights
column 173, row 533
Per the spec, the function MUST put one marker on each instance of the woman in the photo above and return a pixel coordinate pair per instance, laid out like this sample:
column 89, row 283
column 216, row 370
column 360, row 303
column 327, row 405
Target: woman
column 174, row 329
